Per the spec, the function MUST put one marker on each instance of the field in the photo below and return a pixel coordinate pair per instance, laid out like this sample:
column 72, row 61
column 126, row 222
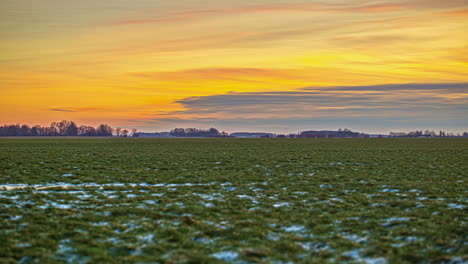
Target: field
column 233, row 200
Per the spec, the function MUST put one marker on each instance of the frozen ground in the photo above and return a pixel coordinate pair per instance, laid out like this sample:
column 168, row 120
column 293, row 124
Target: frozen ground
column 234, row 201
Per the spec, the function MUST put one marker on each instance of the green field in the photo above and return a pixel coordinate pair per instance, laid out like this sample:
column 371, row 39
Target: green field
column 233, row 200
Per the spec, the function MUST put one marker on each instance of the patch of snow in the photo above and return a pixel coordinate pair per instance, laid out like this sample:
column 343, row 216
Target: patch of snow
column 100, row 224
column 408, row 238
column 390, row 221
column 456, row 206
column 206, row 204
column 23, row 245
column 92, row 184
column 15, row 217
column 397, row 245
column 60, row 206
column 356, row 255
column 276, row 205
column 208, row 197
column 273, row 236
column 356, row 238
column 202, row 240
column 456, row 260
column 225, row 255
column 390, row 190
column 294, row 228
column 146, row 238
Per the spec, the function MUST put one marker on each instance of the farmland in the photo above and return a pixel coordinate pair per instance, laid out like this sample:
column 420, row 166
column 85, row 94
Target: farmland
column 233, row 200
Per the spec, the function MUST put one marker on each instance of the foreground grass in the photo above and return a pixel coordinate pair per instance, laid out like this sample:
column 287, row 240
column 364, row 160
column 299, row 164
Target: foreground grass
column 231, row 200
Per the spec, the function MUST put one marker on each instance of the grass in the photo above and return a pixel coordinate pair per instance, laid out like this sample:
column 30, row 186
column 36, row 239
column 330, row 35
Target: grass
column 233, row 200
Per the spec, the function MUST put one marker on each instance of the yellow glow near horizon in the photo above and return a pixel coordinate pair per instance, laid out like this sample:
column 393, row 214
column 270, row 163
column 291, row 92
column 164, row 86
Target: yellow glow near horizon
column 126, row 63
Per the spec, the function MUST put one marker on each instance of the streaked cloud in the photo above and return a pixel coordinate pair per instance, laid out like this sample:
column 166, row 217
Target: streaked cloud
column 220, row 74
column 318, row 7
column 463, row 13
column 400, row 105
column 441, row 88
column 61, row 110
column 399, row 97
column 73, row 110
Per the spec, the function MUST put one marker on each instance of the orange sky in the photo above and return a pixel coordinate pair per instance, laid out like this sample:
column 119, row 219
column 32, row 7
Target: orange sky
column 137, row 63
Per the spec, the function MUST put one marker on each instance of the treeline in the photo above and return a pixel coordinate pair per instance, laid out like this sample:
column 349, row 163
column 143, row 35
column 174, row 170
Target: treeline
column 71, row 129
column 427, row 133
column 341, row 133
column 63, row 128
column 195, row 132
column 213, row 132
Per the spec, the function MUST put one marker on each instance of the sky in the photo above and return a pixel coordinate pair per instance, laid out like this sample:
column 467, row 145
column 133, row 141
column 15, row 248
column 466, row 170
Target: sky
column 256, row 65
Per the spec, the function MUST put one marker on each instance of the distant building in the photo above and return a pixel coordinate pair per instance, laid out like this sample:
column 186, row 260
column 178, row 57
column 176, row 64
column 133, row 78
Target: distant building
column 397, row 134
column 378, row 136
column 155, row 135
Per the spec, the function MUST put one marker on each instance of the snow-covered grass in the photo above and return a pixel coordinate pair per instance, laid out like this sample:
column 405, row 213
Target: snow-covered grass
column 235, row 201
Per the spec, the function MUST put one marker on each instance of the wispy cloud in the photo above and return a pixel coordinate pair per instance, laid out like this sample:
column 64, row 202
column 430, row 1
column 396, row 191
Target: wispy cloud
column 274, row 8
column 61, row 110
column 463, row 13
column 323, row 7
column 219, row 74
column 439, row 87
column 72, row 110
column 374, row 96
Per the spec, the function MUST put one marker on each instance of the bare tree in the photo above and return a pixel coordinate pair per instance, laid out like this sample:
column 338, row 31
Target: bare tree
column 71, row 129
column 134, row 132
column 104, row 130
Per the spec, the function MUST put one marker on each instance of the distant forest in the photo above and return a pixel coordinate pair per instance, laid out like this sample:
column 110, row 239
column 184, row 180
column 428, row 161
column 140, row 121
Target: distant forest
column 63, row 128
column 194, row 132
column 71, row 129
